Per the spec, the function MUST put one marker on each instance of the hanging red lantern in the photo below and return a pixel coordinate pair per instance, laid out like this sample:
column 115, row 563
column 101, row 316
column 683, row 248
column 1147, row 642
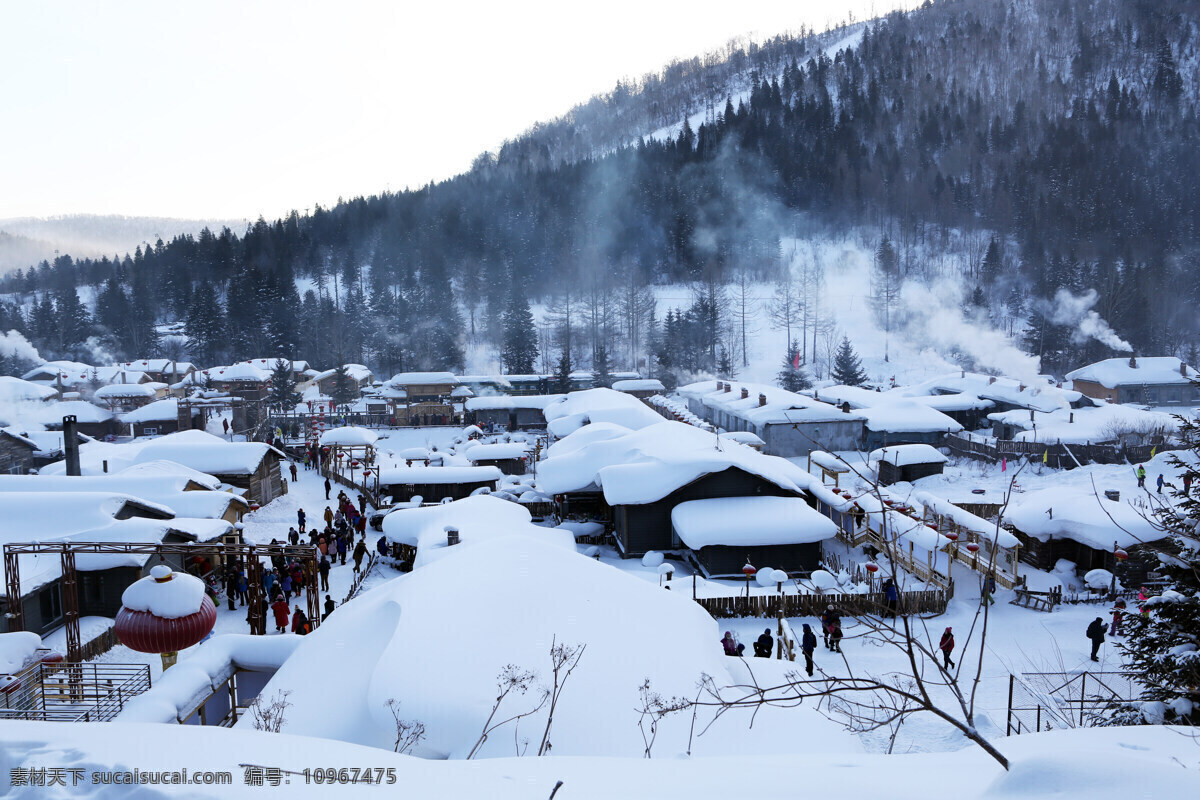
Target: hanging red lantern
column 354, row 464
column 164, row 613
column 749, row 570
column 951, row 535
column 973, row 547
column 1120, row 554
column 871, row 567
column 255, row 506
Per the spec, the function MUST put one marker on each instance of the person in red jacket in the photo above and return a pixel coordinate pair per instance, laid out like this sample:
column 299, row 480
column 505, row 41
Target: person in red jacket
column 947, row 647
column 282, row 614
column 300, row 623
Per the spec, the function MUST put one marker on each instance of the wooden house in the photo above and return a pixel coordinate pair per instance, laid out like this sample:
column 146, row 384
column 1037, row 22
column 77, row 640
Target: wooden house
column 160, row 370
column 162, row 417
column 641, row 387
column 907, row 462
column 423, row 398
column 1156, row 381
column 16, row 453
column 509, row 458
column 434, row 484
column 526, row 412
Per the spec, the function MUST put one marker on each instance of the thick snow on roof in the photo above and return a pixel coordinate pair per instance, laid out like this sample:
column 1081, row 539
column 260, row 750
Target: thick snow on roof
column 196, row 449
column 239, row 372
column 124, row 390
column 172, row 469
column 15, row 390
column 646, row 465
column 903, row 455
column 422, row 379
column 501, row 450
column 178, row 596
column 437, row 475
column 828, row 461
column 17, row 649
column 52, row 413
column 162, row 489
column 743, row 437
column 750, row 522
column 964, row 519
column 356, row 372
column 157, row 365
column 1082, row 514
column 1101, row 423
column 782, row 407
column 493, row 401
column 268, row 364
column 478, row 519
column 349, row 436
column 639, row 385
column 1114, row 372
column 577, row 409
column 534, row 594
column 165, row 410
column 1039, row 396
column 908, row 416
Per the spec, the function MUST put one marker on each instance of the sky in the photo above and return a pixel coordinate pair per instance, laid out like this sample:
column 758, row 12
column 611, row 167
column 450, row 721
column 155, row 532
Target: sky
column 227, row 110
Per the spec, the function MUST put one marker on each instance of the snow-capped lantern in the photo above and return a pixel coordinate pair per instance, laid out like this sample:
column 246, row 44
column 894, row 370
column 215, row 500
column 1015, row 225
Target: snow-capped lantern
column 749, row 570
column 1120, row 555
column 951, row 535
column 9, row 684
column 164, row 613
column 354, row 464
column 973, row 547
column 255, row 506
column 53, row 657
column 871, row 567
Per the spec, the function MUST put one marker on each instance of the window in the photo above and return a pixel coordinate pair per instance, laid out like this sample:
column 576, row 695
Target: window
column 51, row 604
column 149, row 431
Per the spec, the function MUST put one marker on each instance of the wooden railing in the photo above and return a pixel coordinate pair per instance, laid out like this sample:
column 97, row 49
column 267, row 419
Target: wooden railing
column 1056, row 454
column 812, row 605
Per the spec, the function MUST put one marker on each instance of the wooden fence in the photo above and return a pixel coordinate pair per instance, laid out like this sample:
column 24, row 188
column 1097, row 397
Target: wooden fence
column 812, row 605
column 101, row 644
column 1056, row 455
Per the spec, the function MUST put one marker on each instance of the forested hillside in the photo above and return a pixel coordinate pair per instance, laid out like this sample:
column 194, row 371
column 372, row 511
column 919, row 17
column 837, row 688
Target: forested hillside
column 1059, row 136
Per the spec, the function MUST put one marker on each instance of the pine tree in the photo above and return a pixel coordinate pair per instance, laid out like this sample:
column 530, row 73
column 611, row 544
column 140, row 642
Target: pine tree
column 520, row 349
column 791, row 377
column 1161, row 646
column 886, row 281
column 725, row 363
column 283, row 394
column 205, row 326
column 562, row 374
column 847, row 368
column 343, row 390
column 993, row 263
column 601, row 377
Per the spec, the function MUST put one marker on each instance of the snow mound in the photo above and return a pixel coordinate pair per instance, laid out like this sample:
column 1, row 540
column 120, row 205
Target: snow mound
column 176, row 597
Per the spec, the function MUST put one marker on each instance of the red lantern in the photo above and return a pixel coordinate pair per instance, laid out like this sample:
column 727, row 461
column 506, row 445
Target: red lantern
column 53, row 657
column 1120, row 554
column 973, row 547
column 9, row 684
column 354, row 464
column 153, row 627
column 255, row 506
column 749, row 570
column 871, row 567
column 366, row 473
column 951, row 535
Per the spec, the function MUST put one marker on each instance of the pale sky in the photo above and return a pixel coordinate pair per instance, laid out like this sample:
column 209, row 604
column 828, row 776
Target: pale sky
column 235, row 108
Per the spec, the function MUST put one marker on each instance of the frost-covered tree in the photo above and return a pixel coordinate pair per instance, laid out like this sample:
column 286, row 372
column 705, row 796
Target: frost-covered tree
column 847, row 368
column 1162, row 646
column 343, row 390
column 601, row 376
column 283, row 394
column 792, row 376
column 562, row 373
column 885, row 285
column 520, row 347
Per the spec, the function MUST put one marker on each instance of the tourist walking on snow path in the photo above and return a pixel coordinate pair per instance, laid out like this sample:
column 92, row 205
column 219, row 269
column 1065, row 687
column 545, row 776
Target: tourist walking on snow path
column 324, row 568
column 300, row 517
column 282, row 615
column 1141, row 476
column 947, row 647
column 1095, row 632
column 292, row 467
column 360, row 550
column 328, row 486
column 808, row 643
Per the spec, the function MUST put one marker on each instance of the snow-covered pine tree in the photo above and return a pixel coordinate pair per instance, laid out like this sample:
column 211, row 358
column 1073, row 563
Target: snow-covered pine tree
column 601, row 377
column 562, row 374
column 792, row 377
column 1162, row 645
column 283, row 394
column 343, row 390
column 520, row 348
column 847, row 368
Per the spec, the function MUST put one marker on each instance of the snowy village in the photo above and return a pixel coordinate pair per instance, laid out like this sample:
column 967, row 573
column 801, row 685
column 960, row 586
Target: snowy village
column 453, row 401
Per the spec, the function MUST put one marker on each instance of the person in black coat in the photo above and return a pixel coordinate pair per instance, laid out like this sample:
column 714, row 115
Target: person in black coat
column 329, row 607
column 1095, row 632
column 323, row 567
column 808, row 643
column 764, row 644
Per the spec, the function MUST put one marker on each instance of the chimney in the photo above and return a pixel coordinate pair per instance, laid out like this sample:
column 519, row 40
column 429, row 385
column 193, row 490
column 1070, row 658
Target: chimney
column 451, row 536
column 728, row 387
column 991, row 380
column 71, row 444
column 1183, row 369
column 762, row 400
column 1133, row 361
column 745, row 392
column 719, row 385
column 846, row 407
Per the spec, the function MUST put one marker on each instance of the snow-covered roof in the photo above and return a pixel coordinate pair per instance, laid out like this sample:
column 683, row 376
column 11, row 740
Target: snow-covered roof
column 904, row 455
column 499, row 401
column 349, row 436
column 577, row 409
column 1038, row 396
column 646, row 465
column 423, row 379
column 125, row 390
column 908, row 416
column 16, row 390
column 1114, row 372
column 828, row 461
column 749, row 522
column 53, row 413
column 536, row 593
column 1083, row 514
column 268, row 364
column 1095, row 424
column 158, row 365
column 170, row 469
column 782, row 407
column 487, row 380
column 355, row 372
column 241, row 371
column 196, row 449
column 639, row 385
column 400, row 476
column 477, row 519
column 743, row 437
column 166, row 410
column 462, row 392
column 499, row 451
column 964, row 519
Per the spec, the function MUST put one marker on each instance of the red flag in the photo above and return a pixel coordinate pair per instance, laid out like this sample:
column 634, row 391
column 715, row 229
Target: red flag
column 796, row 360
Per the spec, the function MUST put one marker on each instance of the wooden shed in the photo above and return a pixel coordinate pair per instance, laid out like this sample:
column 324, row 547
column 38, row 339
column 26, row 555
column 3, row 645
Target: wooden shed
column 907, row 462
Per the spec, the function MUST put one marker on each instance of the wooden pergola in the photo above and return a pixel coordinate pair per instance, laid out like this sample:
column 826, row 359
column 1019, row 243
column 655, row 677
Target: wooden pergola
column 257, row 616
